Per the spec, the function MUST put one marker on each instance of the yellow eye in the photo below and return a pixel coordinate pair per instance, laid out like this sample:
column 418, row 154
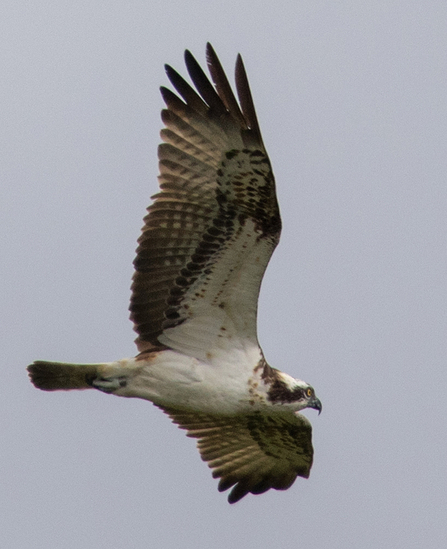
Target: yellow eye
column 309, row 392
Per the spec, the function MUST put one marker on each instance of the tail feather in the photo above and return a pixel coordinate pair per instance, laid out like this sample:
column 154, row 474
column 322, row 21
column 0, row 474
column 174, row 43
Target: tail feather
column 56, row 376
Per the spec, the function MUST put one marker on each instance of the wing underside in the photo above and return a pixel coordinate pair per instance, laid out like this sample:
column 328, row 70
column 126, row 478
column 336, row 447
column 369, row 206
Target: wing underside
column 213, row 226
column 251, row 452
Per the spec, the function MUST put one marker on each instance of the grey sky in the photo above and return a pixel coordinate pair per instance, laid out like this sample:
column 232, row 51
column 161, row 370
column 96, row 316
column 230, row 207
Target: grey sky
column 351, row 98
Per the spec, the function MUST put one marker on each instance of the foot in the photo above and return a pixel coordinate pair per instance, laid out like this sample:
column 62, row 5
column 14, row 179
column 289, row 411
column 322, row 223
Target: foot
column 109, row 384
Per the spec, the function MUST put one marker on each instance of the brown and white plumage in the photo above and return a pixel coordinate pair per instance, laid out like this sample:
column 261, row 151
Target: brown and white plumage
column 253, row 452
column 212, row 229
column 204, row 248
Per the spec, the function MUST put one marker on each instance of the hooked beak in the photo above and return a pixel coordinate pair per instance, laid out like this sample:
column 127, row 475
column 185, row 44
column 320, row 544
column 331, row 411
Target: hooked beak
column 316, row 404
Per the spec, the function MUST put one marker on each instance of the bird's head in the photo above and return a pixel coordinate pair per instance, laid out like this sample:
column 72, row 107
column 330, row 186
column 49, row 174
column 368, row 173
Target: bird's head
column 294, row 393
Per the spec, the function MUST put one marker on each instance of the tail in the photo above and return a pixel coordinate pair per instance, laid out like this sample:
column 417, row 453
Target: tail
column 57, row 376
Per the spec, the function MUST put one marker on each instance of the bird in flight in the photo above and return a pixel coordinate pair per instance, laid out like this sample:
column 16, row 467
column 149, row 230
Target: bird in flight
column 206, row 242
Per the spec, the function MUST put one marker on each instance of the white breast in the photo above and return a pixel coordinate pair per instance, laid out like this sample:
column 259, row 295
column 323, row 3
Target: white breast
column 220, row 384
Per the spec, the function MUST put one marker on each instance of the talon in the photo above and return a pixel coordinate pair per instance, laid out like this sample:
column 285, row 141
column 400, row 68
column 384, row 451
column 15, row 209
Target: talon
column 109, row 385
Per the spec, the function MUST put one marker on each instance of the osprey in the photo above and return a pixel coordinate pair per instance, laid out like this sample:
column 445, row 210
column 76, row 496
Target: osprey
column 205, row 245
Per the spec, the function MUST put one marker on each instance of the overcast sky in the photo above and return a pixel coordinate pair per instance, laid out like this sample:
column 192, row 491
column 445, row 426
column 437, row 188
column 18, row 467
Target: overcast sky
column 352, row 101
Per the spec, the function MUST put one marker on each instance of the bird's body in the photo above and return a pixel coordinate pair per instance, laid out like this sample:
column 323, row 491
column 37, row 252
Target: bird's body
column 226, row 383
column 202, row 254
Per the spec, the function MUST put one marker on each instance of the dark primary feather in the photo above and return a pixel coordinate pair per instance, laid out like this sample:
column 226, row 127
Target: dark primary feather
column 214, row 174
column 251, row 452
column 212, row 99
column 223, row 86
column 244, row 93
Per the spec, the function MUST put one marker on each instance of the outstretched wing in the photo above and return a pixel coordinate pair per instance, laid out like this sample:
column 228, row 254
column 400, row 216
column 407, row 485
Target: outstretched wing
column 252, row 452
column 213, row 226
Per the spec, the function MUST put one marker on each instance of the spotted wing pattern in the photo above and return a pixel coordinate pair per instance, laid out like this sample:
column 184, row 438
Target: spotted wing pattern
column 251, row 452
column 214, row 224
